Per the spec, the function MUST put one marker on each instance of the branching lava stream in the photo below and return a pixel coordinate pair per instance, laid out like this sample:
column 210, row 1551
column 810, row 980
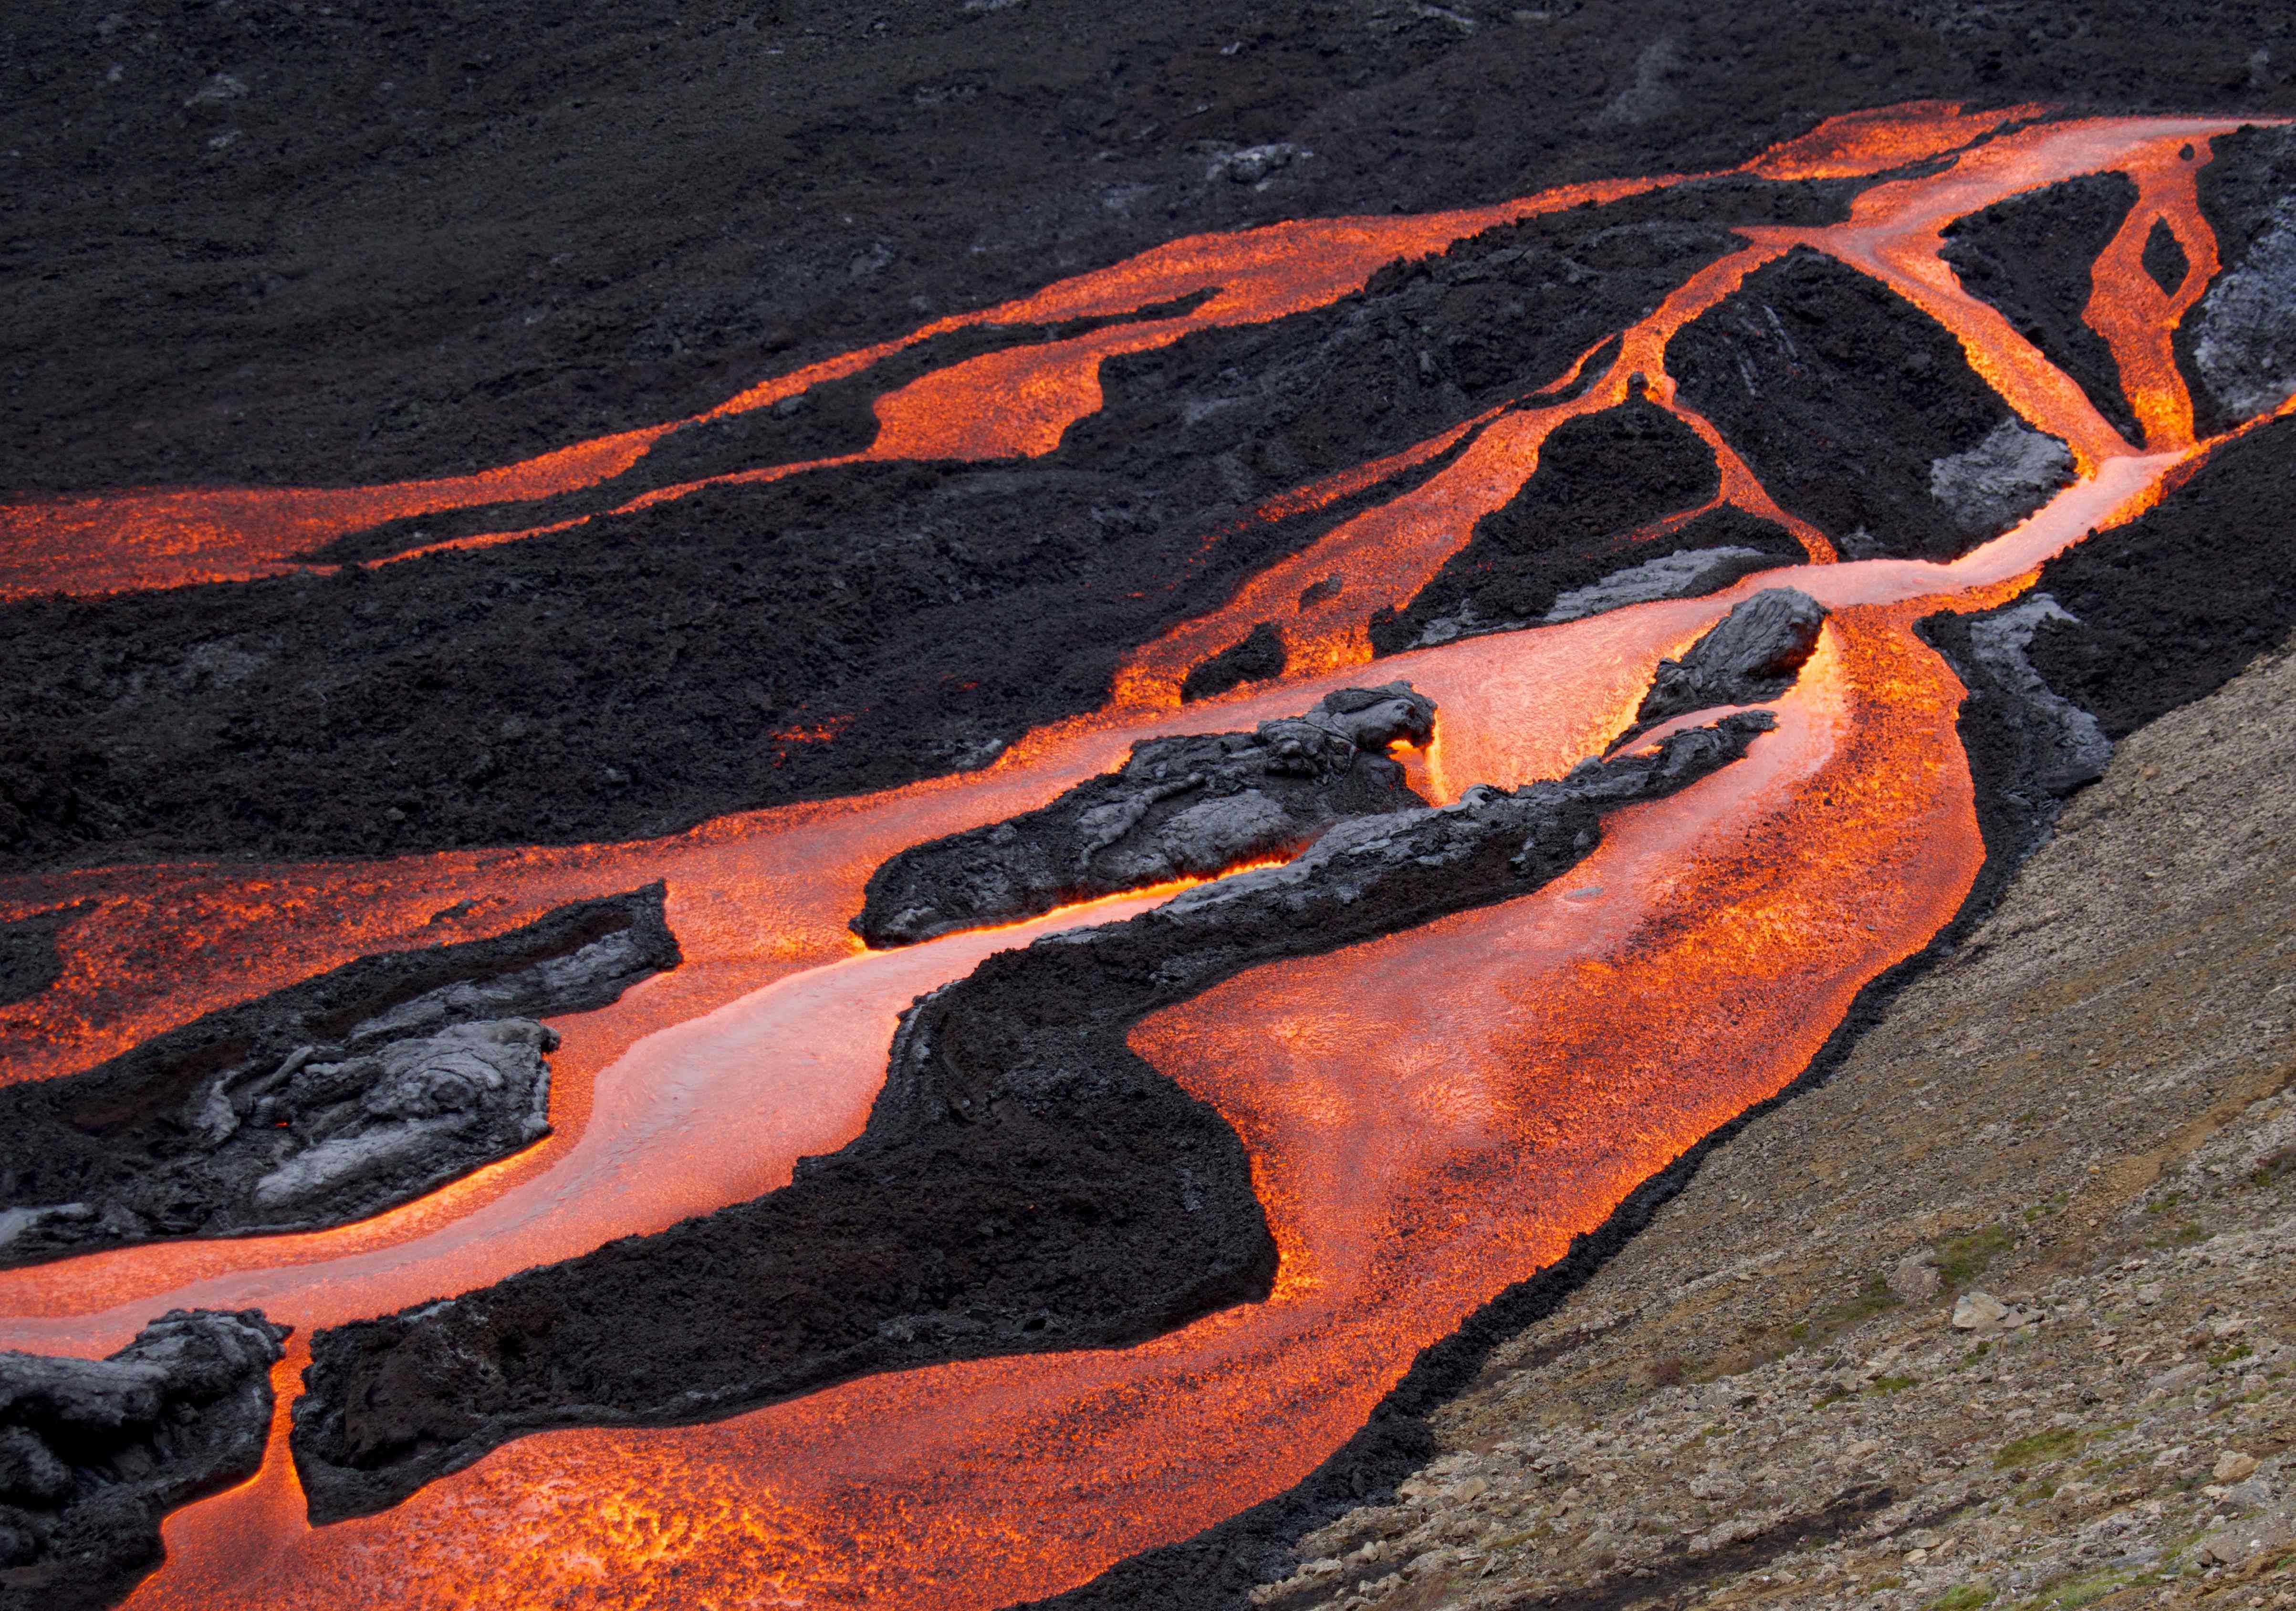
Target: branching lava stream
column 1430, row 1116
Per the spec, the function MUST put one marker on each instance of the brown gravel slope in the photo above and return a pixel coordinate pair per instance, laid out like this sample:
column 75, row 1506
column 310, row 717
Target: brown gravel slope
column 2074, row 1135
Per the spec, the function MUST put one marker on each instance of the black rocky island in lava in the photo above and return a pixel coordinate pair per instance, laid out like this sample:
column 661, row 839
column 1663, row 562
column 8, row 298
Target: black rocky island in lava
column 925, row 806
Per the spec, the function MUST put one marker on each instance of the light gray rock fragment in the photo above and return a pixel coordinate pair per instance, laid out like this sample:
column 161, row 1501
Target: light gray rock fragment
column 1689, row 574
column 1754, row 653
column 2244, row 329
column 1178, row 808
column 2003, row 479
column 94, row 1452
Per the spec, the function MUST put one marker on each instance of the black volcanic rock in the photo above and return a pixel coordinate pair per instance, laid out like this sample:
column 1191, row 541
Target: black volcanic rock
column 1572, row 541
column 321, row 1103
column 2174, row 605
column 1255, row 657
column 94, row 1452
column 2164, row 258
column 2237, row 345
column 1860, row 414
column 1178, row 807
column 2029, row 257
column 1754, row 653
column 28, row 959
column 928, row 613
column 1025, row 1180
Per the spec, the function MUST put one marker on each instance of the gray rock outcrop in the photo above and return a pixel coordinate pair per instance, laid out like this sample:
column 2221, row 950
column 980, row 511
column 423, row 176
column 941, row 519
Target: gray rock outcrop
column 1180, row 807
column 2244, row 329
column 1750, row 654
column 326, row 1102
column 94, row 1452
column 2002, row 479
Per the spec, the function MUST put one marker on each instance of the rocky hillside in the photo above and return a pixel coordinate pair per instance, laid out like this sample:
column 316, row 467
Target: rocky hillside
column 2000, row 1314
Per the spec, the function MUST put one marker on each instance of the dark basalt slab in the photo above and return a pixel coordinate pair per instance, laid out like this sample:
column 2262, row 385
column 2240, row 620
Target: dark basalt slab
column 321, row 1103
column 1860, row 414
column 94, row 1452
column 1025, row 1182
column 1178, row 807
column 1754, row 653
column 2238, row 346
column 1575, row 540
column 2173, row 605
column 2030, row 255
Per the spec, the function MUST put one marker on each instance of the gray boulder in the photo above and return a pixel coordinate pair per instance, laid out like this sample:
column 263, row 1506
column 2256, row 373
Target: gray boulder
column 1180, row 807
column 2244, row 331
column 1754, row 653
column 94, row 1452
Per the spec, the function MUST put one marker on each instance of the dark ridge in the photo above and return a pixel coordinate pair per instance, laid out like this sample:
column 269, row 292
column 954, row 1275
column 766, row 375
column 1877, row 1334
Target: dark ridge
column 1255, row 657
column 321, row 1103
column 1755, row 653
column 2173, row 605
column 2236, row 346
column 1860, row 414
column 2029, row 257
column 1025, row 1182
column 28, row 960
column 2164, row 258
column 93, row 1453
column 834, row 418
column 1599, row 478
column 1186, row 806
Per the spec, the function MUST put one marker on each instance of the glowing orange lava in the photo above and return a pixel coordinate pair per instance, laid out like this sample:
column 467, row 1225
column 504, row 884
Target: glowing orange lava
column 1430, row 1116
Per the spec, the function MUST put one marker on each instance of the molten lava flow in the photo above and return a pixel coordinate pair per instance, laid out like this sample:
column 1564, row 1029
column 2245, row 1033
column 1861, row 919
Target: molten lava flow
column 2126, row 306
column 1430, row 1116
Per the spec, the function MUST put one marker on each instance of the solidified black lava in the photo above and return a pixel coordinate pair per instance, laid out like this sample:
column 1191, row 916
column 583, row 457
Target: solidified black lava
column 2029, row 257
column 2238, row 344
column 1255, row 657
column 321, row 1103
column 94, row 1452
column 1860, row 414
column 2174, row 605
column 28, row 960
column 1025, row 1182
column 2164, row 258
column 1571, row 541
column 1178, row 807
column 515, row 693
column 1754, row 653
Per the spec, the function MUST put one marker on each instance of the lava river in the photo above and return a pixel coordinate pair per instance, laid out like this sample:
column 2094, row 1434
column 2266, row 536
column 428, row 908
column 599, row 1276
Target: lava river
column 1430, row 1116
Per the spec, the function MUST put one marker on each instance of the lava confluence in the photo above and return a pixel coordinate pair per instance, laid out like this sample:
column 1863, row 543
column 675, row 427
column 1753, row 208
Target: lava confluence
column 1430, row 1116
column 1009, row 404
